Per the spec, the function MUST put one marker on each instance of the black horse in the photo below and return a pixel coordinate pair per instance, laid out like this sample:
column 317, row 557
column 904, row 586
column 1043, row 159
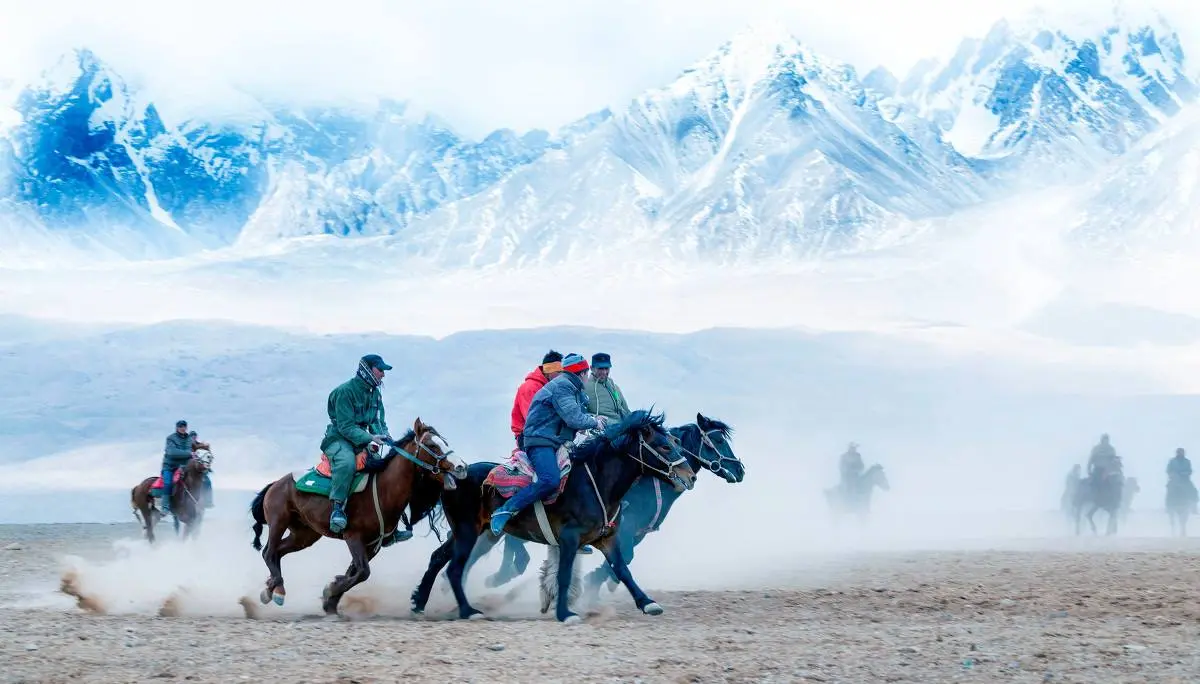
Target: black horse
column 1101, row 490
column 705, row 445
column 603, row 468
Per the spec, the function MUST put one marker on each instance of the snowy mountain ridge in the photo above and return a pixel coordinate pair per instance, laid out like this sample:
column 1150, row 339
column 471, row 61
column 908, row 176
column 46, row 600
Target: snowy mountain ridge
column 761, row 150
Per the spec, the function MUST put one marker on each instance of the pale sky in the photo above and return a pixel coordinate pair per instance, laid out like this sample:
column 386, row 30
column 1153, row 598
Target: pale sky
column 480, row 64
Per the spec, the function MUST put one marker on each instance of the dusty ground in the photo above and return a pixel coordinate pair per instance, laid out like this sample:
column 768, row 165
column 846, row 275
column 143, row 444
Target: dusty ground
column 1125, row 613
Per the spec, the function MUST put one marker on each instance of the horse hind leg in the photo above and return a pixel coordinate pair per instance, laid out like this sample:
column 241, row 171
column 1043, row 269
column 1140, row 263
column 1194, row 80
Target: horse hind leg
column 277, row 547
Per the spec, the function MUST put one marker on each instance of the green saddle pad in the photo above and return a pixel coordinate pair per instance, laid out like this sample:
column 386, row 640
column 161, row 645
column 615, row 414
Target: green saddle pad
column 313, row 482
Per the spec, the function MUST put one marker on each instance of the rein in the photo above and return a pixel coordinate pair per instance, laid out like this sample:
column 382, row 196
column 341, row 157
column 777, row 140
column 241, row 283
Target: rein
column 611, row 521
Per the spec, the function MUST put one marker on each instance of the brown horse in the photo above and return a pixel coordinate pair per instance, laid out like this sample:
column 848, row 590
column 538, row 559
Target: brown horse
column 413, row 463
column 185, row 504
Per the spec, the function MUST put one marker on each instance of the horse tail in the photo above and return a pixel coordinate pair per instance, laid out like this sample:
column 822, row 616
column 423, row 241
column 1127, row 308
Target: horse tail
column 260, row 517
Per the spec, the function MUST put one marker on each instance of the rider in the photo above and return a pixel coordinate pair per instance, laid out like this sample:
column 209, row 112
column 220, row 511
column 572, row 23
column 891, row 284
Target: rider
column 534, row 381
column 604, row 397
column 851, row 466
column 557, row 411
column 180, row 447
column 1180, row 469
column 1103, row 460
column 356, row 420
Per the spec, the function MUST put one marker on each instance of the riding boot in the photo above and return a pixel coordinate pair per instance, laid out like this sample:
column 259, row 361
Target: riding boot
column 337, row 519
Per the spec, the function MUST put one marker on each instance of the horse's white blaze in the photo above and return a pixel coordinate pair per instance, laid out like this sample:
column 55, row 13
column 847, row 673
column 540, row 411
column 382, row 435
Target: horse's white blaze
column 548, row 580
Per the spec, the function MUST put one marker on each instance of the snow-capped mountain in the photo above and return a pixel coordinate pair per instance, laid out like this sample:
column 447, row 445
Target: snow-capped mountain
column 763, row 149
column 86, row 159
column 1037, row 101
column 1151, row 198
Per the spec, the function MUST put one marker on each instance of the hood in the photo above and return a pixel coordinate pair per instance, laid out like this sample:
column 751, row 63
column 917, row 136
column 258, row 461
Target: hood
column 536, row 375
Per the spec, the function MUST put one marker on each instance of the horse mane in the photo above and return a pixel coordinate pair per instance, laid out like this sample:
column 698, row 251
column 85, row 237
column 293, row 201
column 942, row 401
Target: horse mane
column 719, row 426
column 617, row 436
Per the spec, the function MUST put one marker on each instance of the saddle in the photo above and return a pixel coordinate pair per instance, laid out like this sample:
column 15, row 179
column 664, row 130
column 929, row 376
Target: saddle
column 157, row 484
column 324, row 467
column 319, row 479
column 508, row 478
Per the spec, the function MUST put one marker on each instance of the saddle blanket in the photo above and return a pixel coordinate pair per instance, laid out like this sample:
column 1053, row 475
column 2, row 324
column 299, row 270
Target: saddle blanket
column 158, row 483
column 507, row 478
column 313, row 482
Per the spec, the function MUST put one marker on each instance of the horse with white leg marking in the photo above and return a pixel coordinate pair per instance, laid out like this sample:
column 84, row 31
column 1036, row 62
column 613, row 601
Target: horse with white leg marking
column 602, row 469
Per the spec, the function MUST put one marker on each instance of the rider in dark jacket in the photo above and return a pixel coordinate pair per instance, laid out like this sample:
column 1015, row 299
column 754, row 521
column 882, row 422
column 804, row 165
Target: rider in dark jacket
column 1179, row 469
column 556, row 413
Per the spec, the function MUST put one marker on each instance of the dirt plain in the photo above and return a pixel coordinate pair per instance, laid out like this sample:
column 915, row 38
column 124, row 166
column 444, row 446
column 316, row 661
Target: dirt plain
column 1124, row 611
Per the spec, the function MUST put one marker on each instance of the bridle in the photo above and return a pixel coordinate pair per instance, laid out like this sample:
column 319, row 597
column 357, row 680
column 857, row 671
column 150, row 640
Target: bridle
column 715, row 465
column 459, row 470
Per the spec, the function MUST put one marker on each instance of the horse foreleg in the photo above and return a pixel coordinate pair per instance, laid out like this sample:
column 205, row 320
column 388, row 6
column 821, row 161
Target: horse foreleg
column 357, row 573
column 611, row 548
column 437, row 560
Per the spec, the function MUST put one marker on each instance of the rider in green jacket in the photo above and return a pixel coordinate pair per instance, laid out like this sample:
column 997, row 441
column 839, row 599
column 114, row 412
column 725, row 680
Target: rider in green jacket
column 356, row 419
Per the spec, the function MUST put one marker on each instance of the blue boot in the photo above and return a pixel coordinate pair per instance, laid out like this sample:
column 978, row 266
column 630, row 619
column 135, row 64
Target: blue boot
column 500, row 518
column 337, row 520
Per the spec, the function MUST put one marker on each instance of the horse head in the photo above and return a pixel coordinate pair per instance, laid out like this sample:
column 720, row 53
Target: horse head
column 875, row 477
column 715, row 452
column 201, row 461
column 432, row 453
column 642, row 437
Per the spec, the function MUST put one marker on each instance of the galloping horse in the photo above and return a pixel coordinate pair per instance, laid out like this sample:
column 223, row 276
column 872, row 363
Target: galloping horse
column 1101, row 490
column 1181, row 503
column 414, row 464
column 705, row 444
column 603, row 468
column 858, row 499
column 185, row 505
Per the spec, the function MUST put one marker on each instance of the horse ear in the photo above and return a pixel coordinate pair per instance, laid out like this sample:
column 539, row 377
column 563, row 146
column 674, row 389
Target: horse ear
column 418, row 426
column 700, row 419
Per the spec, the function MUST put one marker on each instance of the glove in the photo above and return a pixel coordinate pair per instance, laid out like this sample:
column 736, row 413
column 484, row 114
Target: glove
column 601, row 422
column 381, row 439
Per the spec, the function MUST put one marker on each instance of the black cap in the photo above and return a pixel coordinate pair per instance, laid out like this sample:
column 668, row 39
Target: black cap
column 180, row 423
column 601, row 360
column 376, row 361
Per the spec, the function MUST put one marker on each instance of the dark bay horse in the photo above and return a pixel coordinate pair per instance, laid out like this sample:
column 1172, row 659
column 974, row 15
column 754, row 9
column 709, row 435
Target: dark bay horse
column 1181, row 503
column 858, row 500
column 603, row 468
column 1101, row 490
column 705, row 444
column 414, row 464
column 186, row 505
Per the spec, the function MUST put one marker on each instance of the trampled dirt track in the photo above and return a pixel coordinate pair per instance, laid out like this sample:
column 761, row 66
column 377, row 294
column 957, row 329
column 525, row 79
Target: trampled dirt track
column 1121, row 612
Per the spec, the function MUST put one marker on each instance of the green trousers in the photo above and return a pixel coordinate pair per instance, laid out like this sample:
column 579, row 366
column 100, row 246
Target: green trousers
column 341, row 462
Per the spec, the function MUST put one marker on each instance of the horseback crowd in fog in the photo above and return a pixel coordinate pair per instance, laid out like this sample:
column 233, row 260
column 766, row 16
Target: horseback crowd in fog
column 1107, row 487
column 585, row 472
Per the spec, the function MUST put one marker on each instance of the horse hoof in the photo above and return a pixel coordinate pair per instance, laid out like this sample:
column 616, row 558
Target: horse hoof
column 278, row 598
column 264, row 597
column 652, row 608
column 572, row 620
column 476, row 616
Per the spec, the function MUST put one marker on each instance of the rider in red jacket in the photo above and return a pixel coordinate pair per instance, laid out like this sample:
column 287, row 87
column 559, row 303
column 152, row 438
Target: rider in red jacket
column 537, row 379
